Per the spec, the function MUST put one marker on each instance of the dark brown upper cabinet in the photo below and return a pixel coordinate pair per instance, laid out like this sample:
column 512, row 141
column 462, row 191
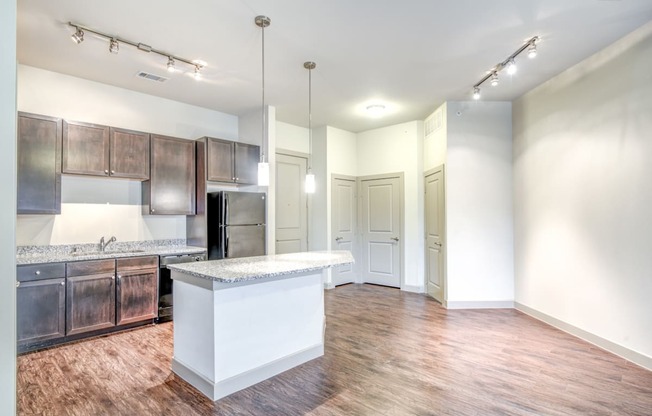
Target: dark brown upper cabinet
column 171, row 186
column 39, row 164
column 91, row 149
column 129, row 154
column 231, row 162
column 85, row 149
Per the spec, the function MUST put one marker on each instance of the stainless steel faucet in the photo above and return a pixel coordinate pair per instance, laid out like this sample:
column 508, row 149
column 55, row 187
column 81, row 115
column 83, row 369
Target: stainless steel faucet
column 103, row 244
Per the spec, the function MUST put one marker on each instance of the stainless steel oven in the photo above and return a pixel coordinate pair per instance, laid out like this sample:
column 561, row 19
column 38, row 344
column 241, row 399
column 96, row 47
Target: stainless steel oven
column 165, row 302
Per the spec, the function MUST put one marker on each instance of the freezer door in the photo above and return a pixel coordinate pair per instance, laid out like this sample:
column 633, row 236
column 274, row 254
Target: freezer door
column 243, row 208
column 244, row 240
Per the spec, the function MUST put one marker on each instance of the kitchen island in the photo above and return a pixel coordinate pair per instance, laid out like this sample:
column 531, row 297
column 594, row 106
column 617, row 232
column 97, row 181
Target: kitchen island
column 240, row 321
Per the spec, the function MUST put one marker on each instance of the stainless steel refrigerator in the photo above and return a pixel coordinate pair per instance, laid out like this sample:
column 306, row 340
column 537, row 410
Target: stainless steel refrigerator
column 236, row 224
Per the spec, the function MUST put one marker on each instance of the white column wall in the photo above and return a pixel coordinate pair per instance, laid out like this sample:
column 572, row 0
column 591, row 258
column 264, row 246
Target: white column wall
column 399, row 148
column 582, row 169
column 479, row 212
column 115, row 205
column 8, row 207
column 291, row 137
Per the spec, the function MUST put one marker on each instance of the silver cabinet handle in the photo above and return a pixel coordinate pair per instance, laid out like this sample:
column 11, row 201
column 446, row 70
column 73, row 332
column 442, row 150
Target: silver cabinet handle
column 17, row 284
column 37, row 272
column 119, row 277
column 63, row 283
column 339, row 239
column 112, row 172
column 394, row 238
column 106, row 171
column 112, row 277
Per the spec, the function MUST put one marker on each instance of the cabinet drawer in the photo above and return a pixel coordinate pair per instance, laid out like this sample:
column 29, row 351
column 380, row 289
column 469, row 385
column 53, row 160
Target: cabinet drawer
column 92, row 267
column 136, row 263
column 40, row 271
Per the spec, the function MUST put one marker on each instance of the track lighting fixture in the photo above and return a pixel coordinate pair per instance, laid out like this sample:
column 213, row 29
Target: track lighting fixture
column 494, row 79
column 114, row 47
column 78, row 36
column 509, row 64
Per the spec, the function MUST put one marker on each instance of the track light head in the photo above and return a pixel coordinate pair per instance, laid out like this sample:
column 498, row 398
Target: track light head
column 476, row 93
column 114, row 46
column 197, row 74
column 171, row 67
column 78, row 36
column 494, row 79
column 532, row 50
column 511, row 67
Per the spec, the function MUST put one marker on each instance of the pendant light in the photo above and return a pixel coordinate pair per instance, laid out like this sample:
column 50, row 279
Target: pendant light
column 310, row 177
column 263, row 167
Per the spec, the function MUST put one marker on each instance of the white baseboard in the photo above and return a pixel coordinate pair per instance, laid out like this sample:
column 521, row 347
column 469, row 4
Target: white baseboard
column 413, row 289
column 481, row 304
column 630, row 355
column 222, row 388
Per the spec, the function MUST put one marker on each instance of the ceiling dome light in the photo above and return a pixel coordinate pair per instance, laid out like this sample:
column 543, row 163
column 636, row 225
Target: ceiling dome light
column 532, row 51
column 494, row 79
column 376, row 110
column 476, row 93
column 78, row 36
column 511, row 67
column 197, row 74
column 114, row 47
column 171, row 65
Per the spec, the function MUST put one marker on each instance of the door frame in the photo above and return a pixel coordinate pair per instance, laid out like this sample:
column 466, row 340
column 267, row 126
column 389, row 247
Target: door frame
column 444, row 247
column 401, row 184
column 356, row 231
column 306, row 156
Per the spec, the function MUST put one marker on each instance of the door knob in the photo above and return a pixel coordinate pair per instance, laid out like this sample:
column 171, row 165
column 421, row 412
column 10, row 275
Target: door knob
column 394, row 238
column 339, row 239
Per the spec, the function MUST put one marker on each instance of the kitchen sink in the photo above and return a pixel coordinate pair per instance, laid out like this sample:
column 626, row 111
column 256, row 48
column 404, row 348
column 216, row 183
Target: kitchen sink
column 106, row 252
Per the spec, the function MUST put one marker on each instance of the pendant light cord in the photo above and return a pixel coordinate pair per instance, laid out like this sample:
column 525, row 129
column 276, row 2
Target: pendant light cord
column 264, row 137
column 309, row 120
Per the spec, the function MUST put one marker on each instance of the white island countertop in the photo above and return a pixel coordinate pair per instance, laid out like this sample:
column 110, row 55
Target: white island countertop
column 261, row 267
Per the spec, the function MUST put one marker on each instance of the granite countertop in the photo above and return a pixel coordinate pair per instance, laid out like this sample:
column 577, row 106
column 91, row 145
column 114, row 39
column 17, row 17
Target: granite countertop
column 260, row 267
column 78, row 252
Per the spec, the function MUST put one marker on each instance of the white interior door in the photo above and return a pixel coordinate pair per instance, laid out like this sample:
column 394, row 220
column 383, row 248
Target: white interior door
column 381, row 231
column 343, row 220
column 435, row 267
column 291, row 207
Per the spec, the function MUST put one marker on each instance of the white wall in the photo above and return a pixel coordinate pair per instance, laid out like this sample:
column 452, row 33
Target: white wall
column 399, row 148
column 291, row 137
column 112, row 206
column 434, row 143
column 582, row 169
column 479, row 213
column 318, row 209
column 8, row 207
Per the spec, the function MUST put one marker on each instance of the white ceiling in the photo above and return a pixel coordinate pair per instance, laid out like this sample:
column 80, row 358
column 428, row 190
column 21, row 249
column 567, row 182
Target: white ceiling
column 412, row 55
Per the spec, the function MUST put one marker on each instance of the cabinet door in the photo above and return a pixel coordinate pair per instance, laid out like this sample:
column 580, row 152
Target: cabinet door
column 90, row 296
column 136, row 295
column 246, row 163
column 129, row 154
column 39, row 164
column 40, row 310
column 171, row 188
column 219, row 164
column 85, row 148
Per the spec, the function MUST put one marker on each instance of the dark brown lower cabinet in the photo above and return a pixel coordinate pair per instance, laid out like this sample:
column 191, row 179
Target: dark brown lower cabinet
column 41, row 310
column 90, row 296
column 137, row 280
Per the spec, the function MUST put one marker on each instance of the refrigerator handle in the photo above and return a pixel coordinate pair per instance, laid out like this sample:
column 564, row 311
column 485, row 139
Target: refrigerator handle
column 226, row 241
column 226, row 209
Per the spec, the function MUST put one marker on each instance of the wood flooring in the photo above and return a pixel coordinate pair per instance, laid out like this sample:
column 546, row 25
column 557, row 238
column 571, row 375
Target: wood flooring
column 387, row 353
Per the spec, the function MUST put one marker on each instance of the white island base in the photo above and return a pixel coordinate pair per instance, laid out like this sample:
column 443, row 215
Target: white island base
column 233, row 337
